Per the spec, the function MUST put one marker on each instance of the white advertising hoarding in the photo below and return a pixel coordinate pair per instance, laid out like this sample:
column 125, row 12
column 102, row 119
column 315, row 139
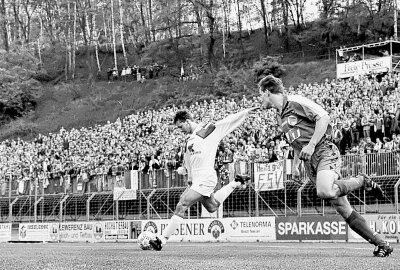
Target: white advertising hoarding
column 38, row 232
column 82, row 232
column 5, row 232
column 256, row 229
column 351, row 69
column 386, row 225
column 218, row 230
column 117, row 230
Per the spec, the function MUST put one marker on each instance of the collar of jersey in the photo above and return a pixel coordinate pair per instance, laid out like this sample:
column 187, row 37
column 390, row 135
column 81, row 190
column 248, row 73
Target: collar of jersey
column 285, row 103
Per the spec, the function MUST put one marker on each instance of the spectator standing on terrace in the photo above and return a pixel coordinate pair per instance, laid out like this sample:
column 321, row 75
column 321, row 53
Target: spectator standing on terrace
column 306, row 126
column 200, row 150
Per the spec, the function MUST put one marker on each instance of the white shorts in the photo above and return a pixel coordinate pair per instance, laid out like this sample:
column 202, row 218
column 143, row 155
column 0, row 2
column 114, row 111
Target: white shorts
column 203, row 189
column 204, row 183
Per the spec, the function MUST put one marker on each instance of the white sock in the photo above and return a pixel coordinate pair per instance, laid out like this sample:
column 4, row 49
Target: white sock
column 172, row 226
column 225, row 191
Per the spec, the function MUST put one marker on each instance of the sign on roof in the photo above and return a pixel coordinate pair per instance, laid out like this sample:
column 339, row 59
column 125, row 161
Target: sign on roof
column 357, row 68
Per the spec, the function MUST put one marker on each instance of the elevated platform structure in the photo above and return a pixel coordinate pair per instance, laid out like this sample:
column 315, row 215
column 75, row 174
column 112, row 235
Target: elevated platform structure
column 373, row 58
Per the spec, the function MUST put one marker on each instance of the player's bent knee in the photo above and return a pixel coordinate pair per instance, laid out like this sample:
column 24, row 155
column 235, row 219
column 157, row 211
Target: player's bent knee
column 181, row 209
column 211, row 209
column 325, row 187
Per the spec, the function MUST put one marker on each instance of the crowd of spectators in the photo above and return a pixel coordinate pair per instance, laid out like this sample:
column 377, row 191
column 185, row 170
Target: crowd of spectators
column 364, row 113
column 136, row 73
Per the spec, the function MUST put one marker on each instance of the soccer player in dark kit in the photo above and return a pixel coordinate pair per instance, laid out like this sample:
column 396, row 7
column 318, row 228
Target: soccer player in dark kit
column 306, row 126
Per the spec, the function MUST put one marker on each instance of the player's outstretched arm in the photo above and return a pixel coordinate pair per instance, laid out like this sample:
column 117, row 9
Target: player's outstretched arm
column 231, row 122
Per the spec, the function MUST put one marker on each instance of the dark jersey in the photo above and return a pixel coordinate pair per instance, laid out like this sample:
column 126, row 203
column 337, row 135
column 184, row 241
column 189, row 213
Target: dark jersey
column 298, row 118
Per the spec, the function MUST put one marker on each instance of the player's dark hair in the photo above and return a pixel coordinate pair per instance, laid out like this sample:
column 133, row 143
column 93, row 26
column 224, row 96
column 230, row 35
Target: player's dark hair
column 272, row 84
column 181, row 116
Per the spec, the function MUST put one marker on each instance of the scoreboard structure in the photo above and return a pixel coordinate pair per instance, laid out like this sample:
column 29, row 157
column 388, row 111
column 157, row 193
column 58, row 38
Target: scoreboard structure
column 374, row 58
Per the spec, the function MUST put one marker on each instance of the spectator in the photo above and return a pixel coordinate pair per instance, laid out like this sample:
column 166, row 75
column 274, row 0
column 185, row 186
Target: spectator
column 369, row 145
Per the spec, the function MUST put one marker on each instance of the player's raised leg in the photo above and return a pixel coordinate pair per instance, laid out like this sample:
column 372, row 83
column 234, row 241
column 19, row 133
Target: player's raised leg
column 327, row 188
column 358, row 224
column 188, row 198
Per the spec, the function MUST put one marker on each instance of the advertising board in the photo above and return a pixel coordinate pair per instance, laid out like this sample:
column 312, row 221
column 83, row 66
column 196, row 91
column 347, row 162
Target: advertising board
column 311, row 228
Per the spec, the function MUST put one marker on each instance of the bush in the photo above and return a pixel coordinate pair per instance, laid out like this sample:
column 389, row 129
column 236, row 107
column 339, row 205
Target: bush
column 228, row 82
column 18, row 89
column 266, row 66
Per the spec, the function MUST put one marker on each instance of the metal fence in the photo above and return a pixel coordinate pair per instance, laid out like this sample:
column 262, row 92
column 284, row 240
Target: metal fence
column 58, row 199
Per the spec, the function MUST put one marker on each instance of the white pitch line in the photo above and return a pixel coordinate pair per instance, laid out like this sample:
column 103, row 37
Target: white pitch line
column 230, row 244
column 284, row 247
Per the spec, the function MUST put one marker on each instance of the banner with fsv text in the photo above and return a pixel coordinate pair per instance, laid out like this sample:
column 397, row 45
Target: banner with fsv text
column 268, row 176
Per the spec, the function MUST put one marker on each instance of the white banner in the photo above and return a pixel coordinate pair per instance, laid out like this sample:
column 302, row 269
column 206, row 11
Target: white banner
column 351, row 69
column 268, row 176
column 38, row 232
column 82, row 232
column 386, row 225
column 218, row 230
column 196, row 230
column 123, row 194
column 126, row 187
column 5, row 232
column 256, row 229
column 115, row 230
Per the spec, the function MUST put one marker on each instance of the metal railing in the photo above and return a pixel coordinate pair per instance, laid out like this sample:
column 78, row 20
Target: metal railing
column 159, row 191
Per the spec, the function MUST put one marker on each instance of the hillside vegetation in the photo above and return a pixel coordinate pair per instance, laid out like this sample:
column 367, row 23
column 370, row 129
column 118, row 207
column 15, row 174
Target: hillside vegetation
column 54, row 103
column 78, row 104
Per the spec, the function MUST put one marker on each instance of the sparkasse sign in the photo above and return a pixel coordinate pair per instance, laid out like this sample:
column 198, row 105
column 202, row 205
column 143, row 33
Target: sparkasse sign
column 311, row 228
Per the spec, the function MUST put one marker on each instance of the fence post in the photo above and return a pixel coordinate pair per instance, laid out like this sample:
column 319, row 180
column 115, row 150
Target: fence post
column 117, row 209
column 256, row 202
column 88, row 206
column 396, row 195
column 284, row 183
column 10, row 208
column 61, row 207
column 35, row 208
column 299, row 191
column 364, row 163
column 148, row 202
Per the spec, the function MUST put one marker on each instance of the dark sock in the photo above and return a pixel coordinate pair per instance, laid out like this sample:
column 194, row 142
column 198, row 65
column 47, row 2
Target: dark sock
column 358, row 224
column 348, row 185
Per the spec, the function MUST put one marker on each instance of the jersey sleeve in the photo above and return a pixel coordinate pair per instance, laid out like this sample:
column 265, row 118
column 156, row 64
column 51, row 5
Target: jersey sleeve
column 228, row 124
column 307, row 108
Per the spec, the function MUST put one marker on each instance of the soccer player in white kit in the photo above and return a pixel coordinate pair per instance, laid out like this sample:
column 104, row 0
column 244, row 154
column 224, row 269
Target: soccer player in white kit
column 200, row 150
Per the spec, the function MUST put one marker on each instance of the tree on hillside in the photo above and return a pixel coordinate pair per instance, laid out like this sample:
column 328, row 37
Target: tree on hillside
column 264, row 17
column 181, row 24
column 328, row 8
column 240, row 25
column 4, row 25
column 121, row 30
column 113, row 35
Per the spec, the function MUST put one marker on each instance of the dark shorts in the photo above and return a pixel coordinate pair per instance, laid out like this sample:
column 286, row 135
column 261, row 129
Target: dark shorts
column 326, row 157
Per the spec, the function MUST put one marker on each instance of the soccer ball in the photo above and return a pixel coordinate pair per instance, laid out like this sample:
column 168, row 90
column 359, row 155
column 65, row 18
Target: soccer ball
column 144, row 238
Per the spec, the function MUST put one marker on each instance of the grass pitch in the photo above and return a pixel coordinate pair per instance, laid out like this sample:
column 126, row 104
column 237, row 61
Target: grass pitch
column 219, row 256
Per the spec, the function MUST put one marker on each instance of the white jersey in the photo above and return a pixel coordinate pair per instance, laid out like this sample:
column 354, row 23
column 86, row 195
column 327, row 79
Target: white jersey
column 202, row 146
